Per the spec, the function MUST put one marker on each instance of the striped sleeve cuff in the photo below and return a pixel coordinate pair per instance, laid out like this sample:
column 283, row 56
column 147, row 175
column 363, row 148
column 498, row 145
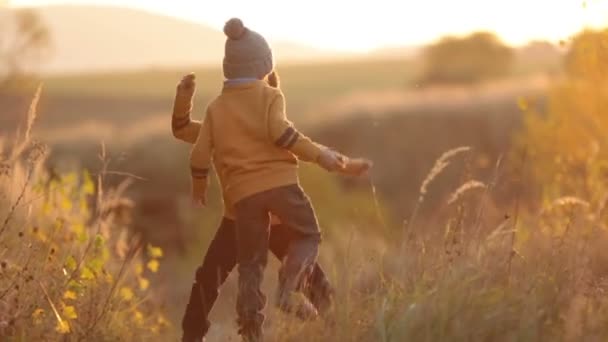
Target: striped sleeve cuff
column 199, row 173
column 182, row 107
column 298, row 144
column 288, row 138
column 199, row 187
column 178, row 123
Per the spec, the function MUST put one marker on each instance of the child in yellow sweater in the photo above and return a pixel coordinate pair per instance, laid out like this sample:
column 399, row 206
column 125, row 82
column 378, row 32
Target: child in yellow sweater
column 255, row 150
column 220, row 257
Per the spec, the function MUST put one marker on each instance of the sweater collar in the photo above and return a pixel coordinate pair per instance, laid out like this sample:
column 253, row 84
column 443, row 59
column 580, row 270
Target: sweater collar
column 241, row 83
column 241, row 80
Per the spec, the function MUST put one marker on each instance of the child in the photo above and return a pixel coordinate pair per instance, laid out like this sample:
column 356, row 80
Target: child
column 220, row 258
column 254, row 149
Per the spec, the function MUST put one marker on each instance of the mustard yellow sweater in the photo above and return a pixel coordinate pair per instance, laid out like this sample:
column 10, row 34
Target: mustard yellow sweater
column 247, row 135
column 186, row 129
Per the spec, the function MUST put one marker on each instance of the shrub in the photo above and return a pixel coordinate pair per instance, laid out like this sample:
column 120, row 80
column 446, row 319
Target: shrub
column 567, row 140
column 478, row 57
column 69, row 268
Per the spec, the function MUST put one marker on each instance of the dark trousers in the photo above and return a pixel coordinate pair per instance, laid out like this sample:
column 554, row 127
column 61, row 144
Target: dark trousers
column 221, row 258
column 293, row 208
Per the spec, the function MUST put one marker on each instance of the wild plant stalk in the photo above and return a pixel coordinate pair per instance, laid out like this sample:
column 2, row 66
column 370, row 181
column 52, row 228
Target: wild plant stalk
column 13, row 208
column 379, row 215
column 521, row 181
column 484, row 197
column 454, row 233
column 598, row 218
column 125, row 174
column 16, row 277
column 452, row 238
column 18, row 151
column 133, row 251
column 438, row 167
column 99, row 213
column 464, row 189
column 570, row 201
column 32, row 114
column 559, row 244
column 569, row 223
column 60, row 320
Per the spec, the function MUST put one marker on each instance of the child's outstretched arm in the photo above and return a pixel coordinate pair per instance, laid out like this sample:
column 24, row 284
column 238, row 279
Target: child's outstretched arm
column 182, row 125
column 355, row 166
column 200, row 162
column 284, row 135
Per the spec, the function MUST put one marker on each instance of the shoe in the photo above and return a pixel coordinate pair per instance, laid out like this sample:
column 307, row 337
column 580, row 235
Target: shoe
column 296, row 303
column 251, row 336
column 188, row 338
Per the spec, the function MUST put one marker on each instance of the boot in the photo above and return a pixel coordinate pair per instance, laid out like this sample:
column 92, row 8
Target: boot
column 295, row 303
column 191, row 338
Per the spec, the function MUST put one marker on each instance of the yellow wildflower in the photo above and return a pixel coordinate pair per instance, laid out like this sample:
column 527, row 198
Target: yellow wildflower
column 153, row 265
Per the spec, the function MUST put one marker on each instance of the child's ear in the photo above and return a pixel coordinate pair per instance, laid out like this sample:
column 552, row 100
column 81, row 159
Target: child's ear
column 273, row 79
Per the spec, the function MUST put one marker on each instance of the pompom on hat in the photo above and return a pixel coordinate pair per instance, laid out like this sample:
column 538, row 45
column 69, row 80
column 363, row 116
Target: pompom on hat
column 234, row 29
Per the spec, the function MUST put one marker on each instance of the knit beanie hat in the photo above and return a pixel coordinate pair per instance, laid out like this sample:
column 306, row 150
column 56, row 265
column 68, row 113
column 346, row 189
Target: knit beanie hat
column 247, row 54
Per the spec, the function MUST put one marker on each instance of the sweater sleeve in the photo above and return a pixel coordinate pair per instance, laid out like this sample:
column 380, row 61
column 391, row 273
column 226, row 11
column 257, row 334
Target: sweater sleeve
column 200, row 160
column 183, row 127
column 283, row 134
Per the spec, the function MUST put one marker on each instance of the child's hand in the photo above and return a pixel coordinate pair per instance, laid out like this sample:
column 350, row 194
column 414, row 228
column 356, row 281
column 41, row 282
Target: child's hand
column 331, row 160
column 187, row 86
column 357, row 167
column 199, row 203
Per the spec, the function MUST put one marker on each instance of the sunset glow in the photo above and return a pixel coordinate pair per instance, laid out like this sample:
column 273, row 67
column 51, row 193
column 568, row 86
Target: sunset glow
column 365, row 25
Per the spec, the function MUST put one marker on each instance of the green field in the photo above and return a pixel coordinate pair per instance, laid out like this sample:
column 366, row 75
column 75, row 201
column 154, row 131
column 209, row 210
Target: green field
column 333, row 77
column 305, row 86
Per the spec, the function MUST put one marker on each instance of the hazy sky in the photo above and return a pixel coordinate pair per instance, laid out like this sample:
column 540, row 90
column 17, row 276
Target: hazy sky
column 360, row 25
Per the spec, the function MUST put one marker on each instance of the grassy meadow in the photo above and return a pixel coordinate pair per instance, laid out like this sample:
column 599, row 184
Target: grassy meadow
column 476, row 224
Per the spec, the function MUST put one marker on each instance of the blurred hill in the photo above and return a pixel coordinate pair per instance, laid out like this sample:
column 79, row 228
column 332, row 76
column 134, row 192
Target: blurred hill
column 396, row 52
column 540, row 56
column 115, row 98
column 135, row 39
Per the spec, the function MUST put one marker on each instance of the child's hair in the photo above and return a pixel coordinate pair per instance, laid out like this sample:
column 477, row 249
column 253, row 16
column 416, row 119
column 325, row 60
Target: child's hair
column 273, row 79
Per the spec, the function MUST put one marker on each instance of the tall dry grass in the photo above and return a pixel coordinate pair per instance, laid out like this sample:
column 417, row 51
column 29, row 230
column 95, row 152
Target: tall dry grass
column 475, row 273
column 527, row 276
column 70, row 270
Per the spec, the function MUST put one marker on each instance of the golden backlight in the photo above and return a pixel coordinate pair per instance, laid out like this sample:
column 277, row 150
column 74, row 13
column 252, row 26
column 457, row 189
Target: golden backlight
column 365, row 25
